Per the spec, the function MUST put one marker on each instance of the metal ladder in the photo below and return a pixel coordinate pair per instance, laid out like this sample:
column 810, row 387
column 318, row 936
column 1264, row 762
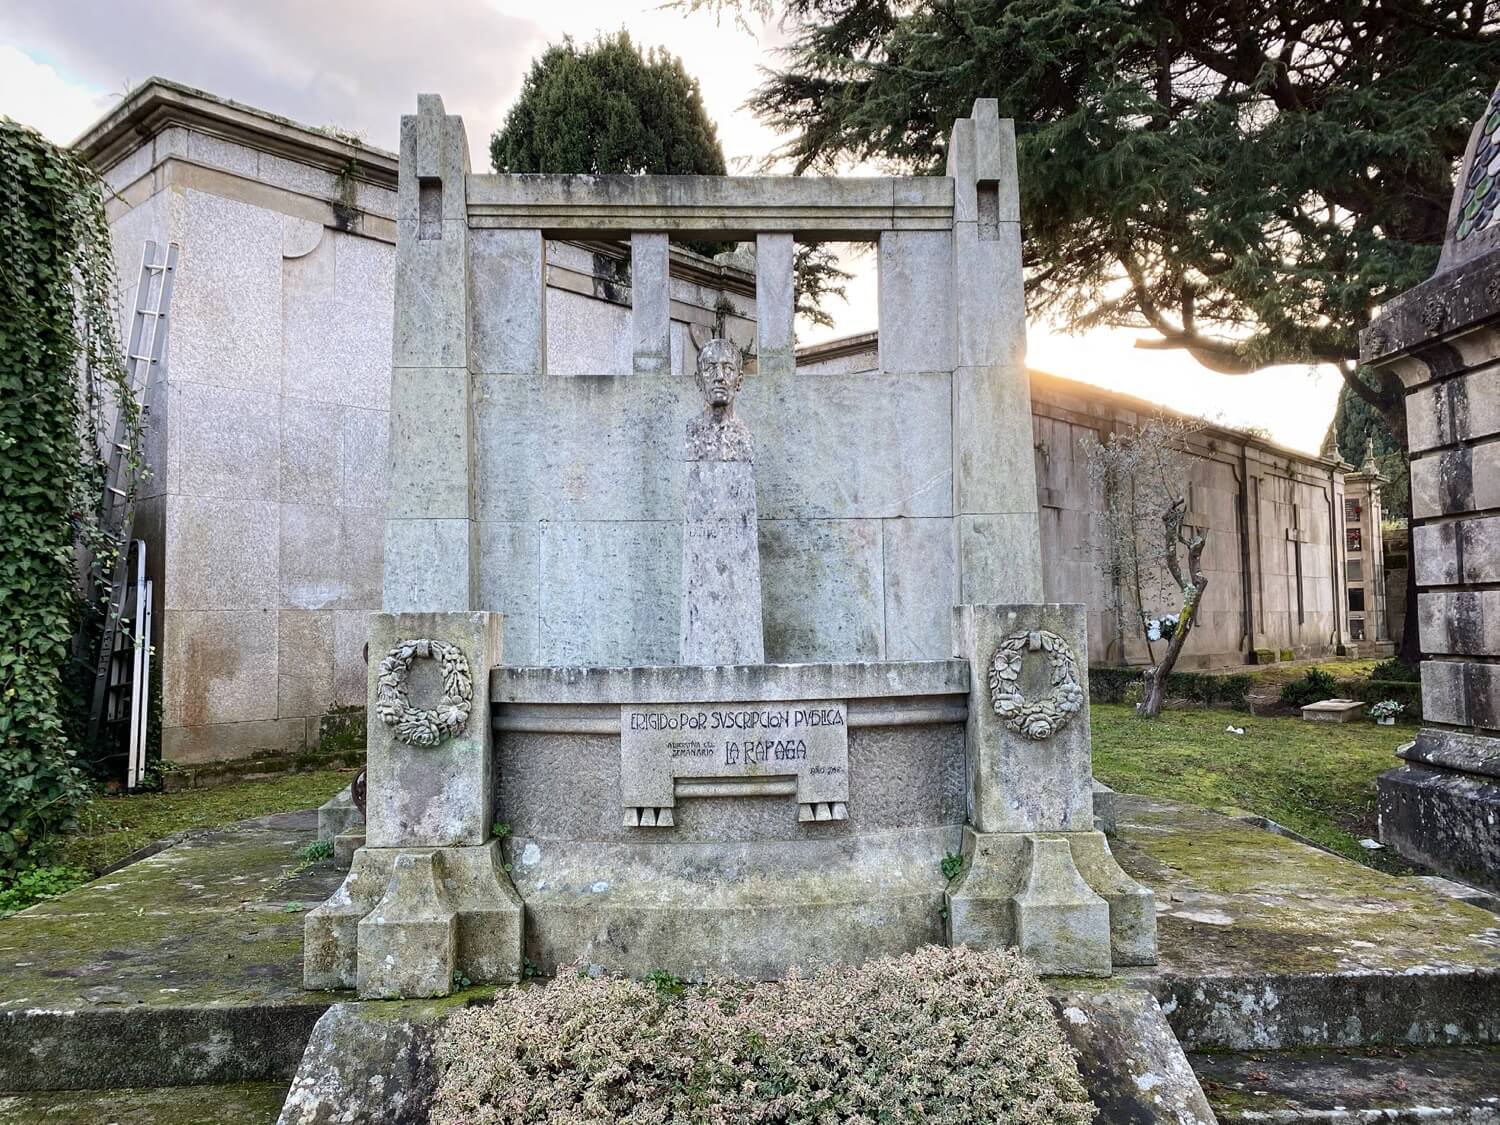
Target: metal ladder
column 148, row 334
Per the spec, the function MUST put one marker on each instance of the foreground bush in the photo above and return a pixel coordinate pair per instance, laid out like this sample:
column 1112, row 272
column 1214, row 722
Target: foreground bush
column 1314, row 686
column 942, row 1035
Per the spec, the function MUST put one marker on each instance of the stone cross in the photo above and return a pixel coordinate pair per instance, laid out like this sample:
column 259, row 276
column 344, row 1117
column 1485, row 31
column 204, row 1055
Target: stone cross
column 721, row 602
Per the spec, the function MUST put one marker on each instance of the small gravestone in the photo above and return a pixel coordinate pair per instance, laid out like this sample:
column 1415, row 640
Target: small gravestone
column 1332, row 711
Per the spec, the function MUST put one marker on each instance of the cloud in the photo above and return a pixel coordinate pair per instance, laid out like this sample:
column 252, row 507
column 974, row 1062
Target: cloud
column 356, row 64
column 359, row 64
column 35, row 94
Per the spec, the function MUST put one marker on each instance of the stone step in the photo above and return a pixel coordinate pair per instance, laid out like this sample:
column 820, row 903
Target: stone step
column 1353, row 1084
column 183, row 968
column 243, row 1103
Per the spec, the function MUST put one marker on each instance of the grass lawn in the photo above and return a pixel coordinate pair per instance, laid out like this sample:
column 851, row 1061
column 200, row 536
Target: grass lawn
column 1342, row 669
column 1315, row 778
column 113, row 827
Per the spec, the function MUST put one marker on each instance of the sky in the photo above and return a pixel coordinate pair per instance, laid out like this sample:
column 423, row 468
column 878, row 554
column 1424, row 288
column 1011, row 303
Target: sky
column 359, row 64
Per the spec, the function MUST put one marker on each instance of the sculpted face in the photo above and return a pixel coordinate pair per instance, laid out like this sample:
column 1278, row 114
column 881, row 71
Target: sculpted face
column 719, row 372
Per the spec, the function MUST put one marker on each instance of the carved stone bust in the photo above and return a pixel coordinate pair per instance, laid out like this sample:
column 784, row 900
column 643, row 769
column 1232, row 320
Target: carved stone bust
column 718, row 434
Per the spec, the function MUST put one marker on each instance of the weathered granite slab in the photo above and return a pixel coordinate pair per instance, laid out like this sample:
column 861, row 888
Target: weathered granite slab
column 195, row 949
column 1268, row 943
column 242, row 1103
column 1451, row 1084
column 1132, row 1064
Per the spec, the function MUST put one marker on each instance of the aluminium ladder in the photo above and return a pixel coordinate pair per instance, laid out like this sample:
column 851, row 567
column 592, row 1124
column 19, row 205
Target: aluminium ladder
column 143, row 356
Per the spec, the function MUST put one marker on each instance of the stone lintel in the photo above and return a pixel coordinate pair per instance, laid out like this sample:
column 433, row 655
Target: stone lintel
column 767, row 682
column 737, row 207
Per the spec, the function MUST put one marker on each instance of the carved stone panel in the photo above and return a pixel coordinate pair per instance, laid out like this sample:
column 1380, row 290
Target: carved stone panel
column 797, row 749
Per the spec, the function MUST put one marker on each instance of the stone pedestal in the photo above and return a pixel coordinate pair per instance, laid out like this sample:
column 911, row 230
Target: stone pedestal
column 430, row 866
column 721, row 600
column 721, row 604
column 1036, row 874
column 1442, row 340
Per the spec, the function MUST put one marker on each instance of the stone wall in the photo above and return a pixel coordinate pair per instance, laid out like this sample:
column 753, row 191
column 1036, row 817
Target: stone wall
column 1278, row 535
column 265, row 509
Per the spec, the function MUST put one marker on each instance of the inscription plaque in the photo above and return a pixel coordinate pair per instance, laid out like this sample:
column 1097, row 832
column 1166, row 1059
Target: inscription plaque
column 672, row 750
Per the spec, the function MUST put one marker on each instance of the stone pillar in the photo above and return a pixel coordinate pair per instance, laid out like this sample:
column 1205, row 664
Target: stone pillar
column 994, row 467
column 1364, row 557
column 1037, row 875
column 1442, row 339
column 431, row 552
column 775, row 305
column 430, row 864
column 650, row 304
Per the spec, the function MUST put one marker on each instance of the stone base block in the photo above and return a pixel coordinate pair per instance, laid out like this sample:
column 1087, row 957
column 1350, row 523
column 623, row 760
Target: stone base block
column 330, row 932
column 1060, row 897
column 746, row 910
column 1132, row 907
column 1061, row 925
column 346, row 843
column 408, row 943
column 1333, row 711
column 338, row 814
column 487, row 916
column 1444, row 819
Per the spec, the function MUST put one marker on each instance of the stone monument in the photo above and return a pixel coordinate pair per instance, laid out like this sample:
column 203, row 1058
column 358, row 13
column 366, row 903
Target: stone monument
column 721, row 607
column 667, row 799
column 1442, row 339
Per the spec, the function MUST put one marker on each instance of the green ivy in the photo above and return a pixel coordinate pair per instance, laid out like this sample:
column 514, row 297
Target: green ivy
column 61, row 372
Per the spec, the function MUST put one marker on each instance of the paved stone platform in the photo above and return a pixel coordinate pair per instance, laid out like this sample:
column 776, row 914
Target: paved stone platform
column 1268, row 943
column 183, row 968
column 245, row 1103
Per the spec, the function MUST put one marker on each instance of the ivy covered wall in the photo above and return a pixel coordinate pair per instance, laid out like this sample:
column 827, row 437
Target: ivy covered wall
column 61, row 374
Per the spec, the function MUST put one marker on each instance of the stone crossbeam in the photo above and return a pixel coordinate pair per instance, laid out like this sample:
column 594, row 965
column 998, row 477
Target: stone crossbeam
column 738, row 207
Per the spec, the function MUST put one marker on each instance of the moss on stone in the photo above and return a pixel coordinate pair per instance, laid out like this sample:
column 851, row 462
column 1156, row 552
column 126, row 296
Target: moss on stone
column 245, row 1103
column 204, row 922
column 114, row 827
column 1236, row 899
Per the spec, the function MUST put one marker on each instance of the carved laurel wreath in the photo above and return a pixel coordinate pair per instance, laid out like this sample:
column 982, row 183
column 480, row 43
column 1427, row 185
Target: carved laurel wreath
column 1041, row 718
column 430, row 727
